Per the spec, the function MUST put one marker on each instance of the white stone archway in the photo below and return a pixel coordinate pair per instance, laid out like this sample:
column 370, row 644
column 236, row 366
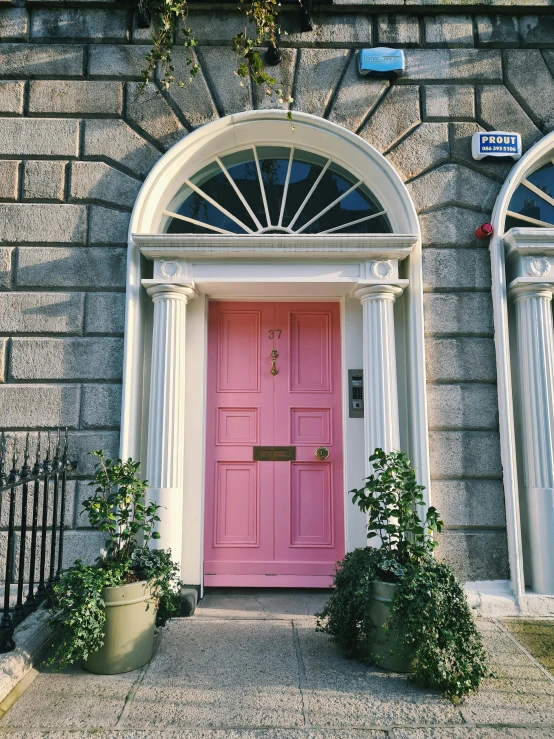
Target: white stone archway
column 155, row 416
column 522, row 288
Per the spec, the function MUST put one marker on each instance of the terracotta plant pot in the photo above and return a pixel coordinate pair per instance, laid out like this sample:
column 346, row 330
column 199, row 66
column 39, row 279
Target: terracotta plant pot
column 384, row 641
column 129, row 630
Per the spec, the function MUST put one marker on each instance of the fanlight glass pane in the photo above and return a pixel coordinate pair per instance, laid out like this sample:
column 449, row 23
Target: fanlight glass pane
column 244, row 173
column 274, row 166
column 306, row 168
column 536, row 211
column 271, row 189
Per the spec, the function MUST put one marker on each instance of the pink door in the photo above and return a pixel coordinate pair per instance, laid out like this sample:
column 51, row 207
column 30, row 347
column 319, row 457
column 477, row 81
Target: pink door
column 267, row 522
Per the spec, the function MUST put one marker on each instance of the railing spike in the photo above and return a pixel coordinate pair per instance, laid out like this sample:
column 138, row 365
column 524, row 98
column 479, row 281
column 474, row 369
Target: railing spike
column 26, row 451
column 37, row 456
column 14, row 456
column 2, row 458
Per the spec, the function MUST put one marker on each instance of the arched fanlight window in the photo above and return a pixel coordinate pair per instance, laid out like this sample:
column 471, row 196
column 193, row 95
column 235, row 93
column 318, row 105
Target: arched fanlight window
column 274, row 189
column 532, row 203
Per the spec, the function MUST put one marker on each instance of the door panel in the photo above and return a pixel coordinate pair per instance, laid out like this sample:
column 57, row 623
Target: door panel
column 283, row 521
column 236, row 505
column 239, row 349
column 311, row 505
column 310, row 426
column 310, row 342
column 237, row 426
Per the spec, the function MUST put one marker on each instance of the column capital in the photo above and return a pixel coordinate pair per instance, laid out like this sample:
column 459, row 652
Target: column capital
column 158, row 290
column 520, row 290
column 365, row 292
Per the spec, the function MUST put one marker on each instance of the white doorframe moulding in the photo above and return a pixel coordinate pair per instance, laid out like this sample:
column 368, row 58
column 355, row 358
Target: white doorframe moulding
column 269, row 266
column 521, row 257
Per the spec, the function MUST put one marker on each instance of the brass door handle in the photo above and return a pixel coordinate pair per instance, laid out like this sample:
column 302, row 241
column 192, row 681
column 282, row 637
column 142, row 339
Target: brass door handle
column 321, row 452
column 274, row 355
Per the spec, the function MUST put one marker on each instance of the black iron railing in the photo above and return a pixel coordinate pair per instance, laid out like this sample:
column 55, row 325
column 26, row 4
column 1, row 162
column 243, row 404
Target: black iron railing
column 33, row 499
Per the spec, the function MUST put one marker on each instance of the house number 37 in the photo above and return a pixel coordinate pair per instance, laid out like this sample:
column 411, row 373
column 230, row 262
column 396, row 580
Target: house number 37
column 274, row 333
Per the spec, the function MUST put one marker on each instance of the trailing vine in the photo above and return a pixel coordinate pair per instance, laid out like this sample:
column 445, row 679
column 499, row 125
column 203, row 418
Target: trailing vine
column 430, row 612
column 167, row 16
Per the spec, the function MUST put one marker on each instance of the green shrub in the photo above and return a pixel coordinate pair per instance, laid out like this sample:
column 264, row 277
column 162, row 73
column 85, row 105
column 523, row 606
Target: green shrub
column 119, row 509
column 430, row 610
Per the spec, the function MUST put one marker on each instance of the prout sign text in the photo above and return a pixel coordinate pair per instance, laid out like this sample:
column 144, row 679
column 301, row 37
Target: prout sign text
column 503, row 144
column 491, row 142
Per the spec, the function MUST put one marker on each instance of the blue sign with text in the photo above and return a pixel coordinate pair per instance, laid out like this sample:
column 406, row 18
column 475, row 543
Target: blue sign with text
column 381, row 62
column 485, row 144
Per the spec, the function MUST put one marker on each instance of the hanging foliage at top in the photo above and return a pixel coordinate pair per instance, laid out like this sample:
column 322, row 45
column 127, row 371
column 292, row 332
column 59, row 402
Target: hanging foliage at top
column 261, row 30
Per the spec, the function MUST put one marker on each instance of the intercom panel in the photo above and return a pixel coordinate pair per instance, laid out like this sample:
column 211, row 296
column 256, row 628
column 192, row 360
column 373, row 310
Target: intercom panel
column 355, row 393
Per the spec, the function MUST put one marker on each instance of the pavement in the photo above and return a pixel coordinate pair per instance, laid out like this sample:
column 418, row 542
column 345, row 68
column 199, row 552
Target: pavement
column 249, row 665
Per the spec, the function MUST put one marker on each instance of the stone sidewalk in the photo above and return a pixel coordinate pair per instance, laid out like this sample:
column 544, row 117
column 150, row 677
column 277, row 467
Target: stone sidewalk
column 249, row 665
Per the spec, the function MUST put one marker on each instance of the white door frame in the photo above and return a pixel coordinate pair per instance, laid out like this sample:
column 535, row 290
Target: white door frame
column 279, row 266
column 502, row 244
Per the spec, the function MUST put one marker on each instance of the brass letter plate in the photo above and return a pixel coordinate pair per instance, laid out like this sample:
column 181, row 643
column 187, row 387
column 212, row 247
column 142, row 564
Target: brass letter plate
column 274, row 453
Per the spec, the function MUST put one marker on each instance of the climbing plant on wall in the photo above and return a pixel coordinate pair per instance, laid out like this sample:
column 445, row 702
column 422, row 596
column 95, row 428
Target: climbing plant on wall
column 261, row 29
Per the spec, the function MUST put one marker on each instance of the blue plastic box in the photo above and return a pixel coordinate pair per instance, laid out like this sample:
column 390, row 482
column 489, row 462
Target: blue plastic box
column 381, row 62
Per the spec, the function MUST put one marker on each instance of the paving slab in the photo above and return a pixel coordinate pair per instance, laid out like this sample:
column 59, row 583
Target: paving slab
column 213, row 673
column 71, row 699
column 520, row 691
column 468, row 732
column 347, row 692
column 205, row 734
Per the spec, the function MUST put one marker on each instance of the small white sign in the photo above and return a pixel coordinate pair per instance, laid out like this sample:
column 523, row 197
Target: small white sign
column 496, row 144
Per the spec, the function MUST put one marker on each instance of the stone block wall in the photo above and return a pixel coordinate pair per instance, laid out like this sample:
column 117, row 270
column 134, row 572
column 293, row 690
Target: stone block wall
column 77, row 137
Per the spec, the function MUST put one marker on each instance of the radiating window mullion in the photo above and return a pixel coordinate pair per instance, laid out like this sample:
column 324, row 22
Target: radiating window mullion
column 528, row 219
column 283, row 174
column 309, row 195
column 218, row 206
column 538, row 191
column 331, row 205
column 262, row 187
column 286, row 188
column 197, row 223
column 354, row 223
column 238, row 192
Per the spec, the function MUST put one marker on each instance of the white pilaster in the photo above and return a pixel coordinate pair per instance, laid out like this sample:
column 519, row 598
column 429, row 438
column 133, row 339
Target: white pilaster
column 381, row 423
column 166, row 420
column 535, row 339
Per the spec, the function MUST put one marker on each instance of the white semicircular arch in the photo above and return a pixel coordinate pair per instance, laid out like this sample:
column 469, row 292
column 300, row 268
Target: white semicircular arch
column 538, row 155
column 271, row 127
column 541, row 153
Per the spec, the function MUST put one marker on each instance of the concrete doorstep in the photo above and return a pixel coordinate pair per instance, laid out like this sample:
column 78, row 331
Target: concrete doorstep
column 250, row 665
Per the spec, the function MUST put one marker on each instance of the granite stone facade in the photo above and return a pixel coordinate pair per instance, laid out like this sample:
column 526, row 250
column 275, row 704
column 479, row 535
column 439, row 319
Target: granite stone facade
column 77, row 137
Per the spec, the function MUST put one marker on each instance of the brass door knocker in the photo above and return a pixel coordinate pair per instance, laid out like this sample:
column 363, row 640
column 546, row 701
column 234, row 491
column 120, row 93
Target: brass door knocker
column 274, row 355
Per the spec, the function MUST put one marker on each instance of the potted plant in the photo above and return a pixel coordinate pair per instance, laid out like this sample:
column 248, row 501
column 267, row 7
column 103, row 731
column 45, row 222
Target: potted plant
column 395, row 605
column 105, row 614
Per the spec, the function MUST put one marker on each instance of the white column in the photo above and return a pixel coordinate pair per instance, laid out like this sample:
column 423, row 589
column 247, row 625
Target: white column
column 166, row 420
column 535, row 342
column 381, row 424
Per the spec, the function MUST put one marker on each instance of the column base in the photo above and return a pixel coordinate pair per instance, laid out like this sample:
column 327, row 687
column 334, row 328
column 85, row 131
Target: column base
column 540, row 514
